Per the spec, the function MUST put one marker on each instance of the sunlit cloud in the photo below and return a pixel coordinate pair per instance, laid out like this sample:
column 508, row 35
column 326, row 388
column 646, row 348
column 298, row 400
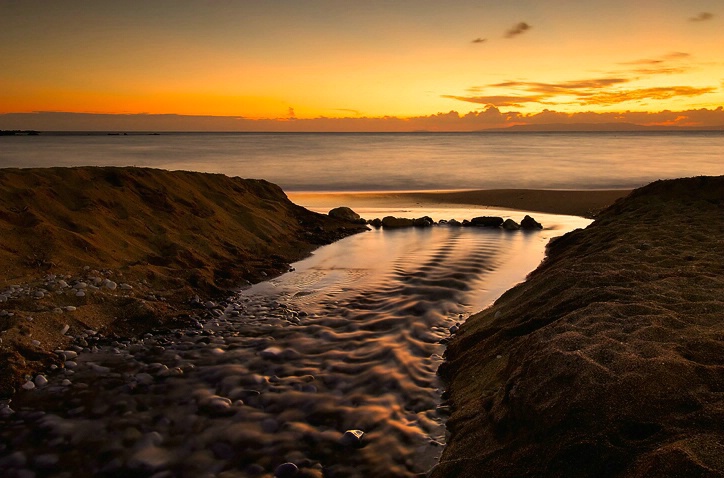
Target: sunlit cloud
column 702, row 17
column 498, row 101
column 588, row 92
column 518, row 29
column 480, row 40
column 488, row 118
column 659, row 93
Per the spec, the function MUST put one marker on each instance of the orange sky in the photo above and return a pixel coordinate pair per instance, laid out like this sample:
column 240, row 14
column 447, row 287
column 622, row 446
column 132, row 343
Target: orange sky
column 286, row 60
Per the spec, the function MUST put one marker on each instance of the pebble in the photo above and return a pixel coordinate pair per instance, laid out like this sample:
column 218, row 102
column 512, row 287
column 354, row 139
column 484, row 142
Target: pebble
column 80, row 293
column 286, row 470
column 65, row 329
column 352, row 438
column 28, row 385
column 109, row 284
column 40, row 381
column 80, row 285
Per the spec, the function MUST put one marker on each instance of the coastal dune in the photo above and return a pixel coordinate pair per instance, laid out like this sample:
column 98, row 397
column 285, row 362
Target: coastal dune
column 609, row 359
column 126, row 249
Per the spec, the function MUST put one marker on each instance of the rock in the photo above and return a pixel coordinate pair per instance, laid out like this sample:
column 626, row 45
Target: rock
column 425, row 221
column 393, row 222
column 65, row 329
column 376, row 222
column 109, row 284
column 530, row 223
column 80, row 293
column 28, row 385
column 40, row 381
column 125, row 286
column 510, row 225
column 487, row 221
column 286, row 470
column 454, row 223
column 352, row 438
column 80, row 285
column 344, row 213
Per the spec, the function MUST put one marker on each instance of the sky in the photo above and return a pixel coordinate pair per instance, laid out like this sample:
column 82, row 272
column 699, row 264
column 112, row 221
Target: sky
column 358, row 65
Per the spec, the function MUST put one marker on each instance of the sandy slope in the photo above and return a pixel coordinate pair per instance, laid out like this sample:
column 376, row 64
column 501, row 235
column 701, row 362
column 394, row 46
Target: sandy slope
column 609, row 360
column 169, row 235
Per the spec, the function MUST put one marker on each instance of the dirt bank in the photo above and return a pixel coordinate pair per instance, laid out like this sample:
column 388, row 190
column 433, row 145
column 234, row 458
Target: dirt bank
column 609, row 359
column 140, row 244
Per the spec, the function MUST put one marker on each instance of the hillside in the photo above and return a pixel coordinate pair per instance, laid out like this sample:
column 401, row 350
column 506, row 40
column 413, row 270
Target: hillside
column 609, row 360
column 143, row 242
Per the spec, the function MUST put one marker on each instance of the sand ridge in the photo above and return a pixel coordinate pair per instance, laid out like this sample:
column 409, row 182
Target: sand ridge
column 168, row 235
column 609, row 359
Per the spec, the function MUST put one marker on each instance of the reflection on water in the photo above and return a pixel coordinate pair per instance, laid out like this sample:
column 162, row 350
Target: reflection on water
column 348, row 341
column 379, row 303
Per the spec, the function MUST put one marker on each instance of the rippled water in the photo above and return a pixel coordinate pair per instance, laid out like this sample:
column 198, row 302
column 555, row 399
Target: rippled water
column 350, row 340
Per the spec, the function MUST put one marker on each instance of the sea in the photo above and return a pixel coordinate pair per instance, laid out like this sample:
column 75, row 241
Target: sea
column 392, row 161
column 349, row 341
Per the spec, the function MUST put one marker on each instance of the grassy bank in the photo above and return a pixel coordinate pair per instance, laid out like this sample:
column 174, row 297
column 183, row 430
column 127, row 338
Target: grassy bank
column 609, row 359
column 161, row 237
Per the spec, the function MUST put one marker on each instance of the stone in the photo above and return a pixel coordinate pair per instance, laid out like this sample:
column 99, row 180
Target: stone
column 393, row 222
column 80, row 285
column 65, row 329
column 109, row 284
column 125, row 286
column 344, row 213
column 352, row 438
column 28, row 385
column 530, row 223
column 425, row 221
column 286, row 470
column 510, row 225
column 487, row 221
column 40, row 381
column 376, row 222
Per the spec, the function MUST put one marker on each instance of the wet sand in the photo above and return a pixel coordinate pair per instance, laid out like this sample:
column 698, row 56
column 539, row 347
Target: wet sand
column 609, row 359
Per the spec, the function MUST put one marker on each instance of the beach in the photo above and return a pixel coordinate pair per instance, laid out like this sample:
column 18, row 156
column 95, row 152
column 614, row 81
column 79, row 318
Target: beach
column 605, row 362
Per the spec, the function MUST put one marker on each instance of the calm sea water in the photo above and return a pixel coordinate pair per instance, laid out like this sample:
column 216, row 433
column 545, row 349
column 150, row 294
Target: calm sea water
column 392, row 161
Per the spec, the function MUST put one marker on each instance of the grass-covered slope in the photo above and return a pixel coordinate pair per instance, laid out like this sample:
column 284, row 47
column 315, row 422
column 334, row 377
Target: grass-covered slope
column 609, row 360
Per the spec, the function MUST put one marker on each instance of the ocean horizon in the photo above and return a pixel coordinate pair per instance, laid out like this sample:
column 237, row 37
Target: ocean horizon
column 415, row 161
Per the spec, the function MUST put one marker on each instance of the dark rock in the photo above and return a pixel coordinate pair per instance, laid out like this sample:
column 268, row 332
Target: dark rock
column 465, row 223
column 352, row 438
column 487, row 221
column 425, row 221
column 392, row 222
column 286, row 470
column 530, row 223
column 377, row 222
column 510, row 225
column 344, row 213
column 454, row 223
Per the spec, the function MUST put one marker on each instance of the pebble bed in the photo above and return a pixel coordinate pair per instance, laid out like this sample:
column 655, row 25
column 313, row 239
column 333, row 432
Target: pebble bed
column 328, row 372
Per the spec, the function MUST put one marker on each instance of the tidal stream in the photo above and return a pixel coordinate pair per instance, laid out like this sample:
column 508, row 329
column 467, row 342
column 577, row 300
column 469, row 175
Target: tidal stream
column 350, row 340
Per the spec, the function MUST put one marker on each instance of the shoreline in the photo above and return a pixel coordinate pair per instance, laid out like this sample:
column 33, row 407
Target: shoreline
column 580, row 202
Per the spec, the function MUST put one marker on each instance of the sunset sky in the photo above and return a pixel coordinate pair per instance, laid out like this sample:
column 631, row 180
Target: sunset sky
column 340, row 65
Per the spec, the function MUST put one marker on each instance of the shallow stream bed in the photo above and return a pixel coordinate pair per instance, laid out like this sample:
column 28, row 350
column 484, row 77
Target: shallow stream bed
column 350, row 340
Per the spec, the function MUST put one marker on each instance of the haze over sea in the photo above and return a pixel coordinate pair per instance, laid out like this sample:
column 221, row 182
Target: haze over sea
column 393, row 161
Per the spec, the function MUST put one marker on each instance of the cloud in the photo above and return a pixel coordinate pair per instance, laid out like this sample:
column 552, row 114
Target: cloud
column 480, row 40
column 585, row 92
column 702, row 17
column 641, row 94
column 661, row 65
column 518, row 29
column 488, row 118
column 498, row 100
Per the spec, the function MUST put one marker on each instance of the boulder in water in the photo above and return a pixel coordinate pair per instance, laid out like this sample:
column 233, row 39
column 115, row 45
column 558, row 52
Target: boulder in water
column 530, row 223
column 344, row 213
column 392, row 222
column 510, row 225
column 487, row 221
